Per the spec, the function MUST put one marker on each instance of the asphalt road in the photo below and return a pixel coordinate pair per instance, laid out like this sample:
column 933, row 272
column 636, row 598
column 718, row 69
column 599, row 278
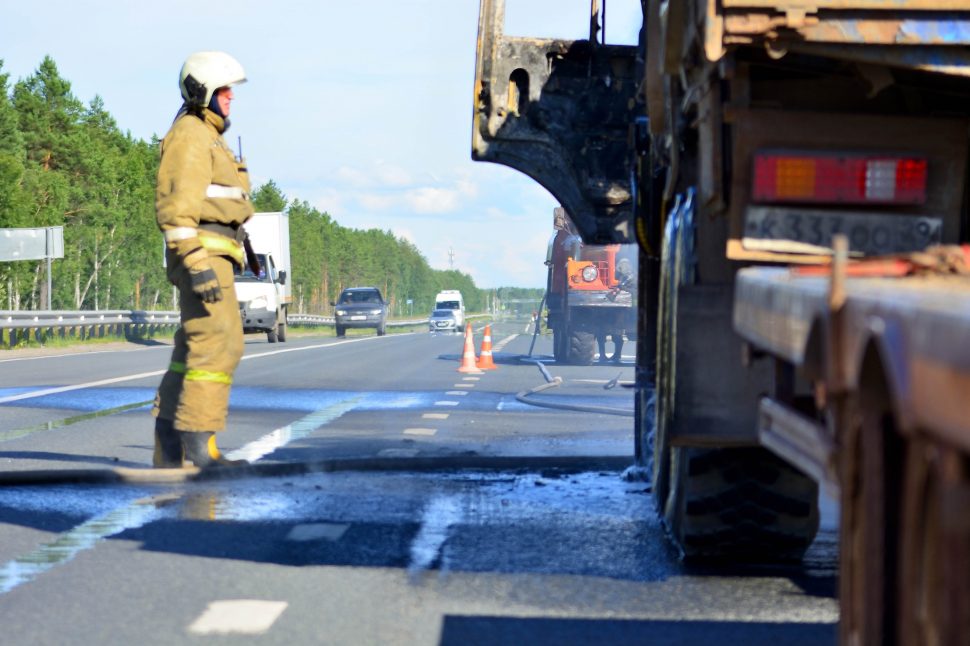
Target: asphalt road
column 472, row 516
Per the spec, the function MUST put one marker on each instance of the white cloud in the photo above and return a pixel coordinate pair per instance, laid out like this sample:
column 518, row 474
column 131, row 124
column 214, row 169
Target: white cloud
column 432, row 200
column 374, row 201
column 354, row 177
column 390, row 175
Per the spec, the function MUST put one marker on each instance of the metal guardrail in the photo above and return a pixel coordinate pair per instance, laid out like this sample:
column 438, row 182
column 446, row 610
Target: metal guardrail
column 17, row 326
column 22, row 325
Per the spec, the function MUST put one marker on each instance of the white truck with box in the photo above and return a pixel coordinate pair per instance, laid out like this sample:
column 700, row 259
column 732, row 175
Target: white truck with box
column 265, row 298
column 450, row 299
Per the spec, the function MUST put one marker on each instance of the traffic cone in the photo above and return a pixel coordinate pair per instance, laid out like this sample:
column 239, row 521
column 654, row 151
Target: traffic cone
column 468, row 356
column 485, row 357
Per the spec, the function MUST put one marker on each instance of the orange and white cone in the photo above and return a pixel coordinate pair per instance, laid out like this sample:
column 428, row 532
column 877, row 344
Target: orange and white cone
column 468, row 356
column 485, row 356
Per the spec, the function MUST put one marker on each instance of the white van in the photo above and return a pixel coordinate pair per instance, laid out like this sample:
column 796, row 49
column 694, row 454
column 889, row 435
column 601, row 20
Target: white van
column 451, row 300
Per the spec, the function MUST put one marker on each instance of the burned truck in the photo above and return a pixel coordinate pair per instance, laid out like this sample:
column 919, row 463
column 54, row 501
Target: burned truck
column 739, row 138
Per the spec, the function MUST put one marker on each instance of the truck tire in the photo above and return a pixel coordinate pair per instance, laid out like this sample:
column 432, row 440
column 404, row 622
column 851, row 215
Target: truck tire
column 271, row 336
column 381, row 329
column 582, row 346
column 341, row 330
column 281, row 326
column 873, row 455
column 732, row 503
column 739, row 503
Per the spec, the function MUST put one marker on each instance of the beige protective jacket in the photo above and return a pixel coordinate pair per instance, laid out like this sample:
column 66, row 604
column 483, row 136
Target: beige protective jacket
column 200, row 181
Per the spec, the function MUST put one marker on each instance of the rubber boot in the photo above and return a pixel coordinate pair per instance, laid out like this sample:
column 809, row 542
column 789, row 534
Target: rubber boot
column 200, row 449
column 168, row 446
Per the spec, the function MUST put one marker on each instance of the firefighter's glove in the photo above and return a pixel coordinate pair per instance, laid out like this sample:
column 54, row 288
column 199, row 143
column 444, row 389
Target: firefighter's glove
column 205, row 283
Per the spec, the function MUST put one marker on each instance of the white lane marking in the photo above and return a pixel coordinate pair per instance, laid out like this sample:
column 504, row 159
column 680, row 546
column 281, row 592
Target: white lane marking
column 504, row 342
column 67, row 545
column 155, row 373
column 332, row 532
column 84, row 354
column 463, row 386
column 141, row 512
column 90, row 384
column 446, row 403
column 238, row 616
column 440, row 514
column 435, row 416
column 457, row 393
column 471, row 378
column 420, row 431
column 291, row 432
column 397, row 453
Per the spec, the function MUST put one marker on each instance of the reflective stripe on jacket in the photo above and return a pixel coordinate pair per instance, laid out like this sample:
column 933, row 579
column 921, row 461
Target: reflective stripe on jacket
column 199, row 179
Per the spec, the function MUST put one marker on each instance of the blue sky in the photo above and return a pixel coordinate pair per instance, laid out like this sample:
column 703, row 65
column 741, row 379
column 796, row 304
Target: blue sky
column 362, row 109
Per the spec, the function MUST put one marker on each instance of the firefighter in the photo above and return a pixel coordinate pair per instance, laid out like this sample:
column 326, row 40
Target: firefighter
column 201, row 202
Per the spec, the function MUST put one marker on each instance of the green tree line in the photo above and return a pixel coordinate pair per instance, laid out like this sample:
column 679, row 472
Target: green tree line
column 67, row 163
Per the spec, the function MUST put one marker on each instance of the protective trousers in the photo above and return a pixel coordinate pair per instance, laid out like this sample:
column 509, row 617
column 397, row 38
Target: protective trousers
column 194, row 393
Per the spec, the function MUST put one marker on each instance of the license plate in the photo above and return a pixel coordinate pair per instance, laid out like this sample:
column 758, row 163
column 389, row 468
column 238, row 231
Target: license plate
column 810, row 231
column 358, row 317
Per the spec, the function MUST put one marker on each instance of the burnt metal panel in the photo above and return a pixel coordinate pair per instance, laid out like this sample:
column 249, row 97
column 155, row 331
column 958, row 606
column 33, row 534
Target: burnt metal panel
column 561, row 112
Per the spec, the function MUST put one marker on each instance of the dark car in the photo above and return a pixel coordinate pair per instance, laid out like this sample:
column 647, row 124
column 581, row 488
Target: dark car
column 443, row 321
column 360, row 307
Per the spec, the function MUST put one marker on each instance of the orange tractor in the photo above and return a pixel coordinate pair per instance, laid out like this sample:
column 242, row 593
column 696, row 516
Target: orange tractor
column 589, row 293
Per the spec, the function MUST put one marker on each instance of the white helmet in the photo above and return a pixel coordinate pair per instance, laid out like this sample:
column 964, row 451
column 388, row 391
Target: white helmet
column 205, row 72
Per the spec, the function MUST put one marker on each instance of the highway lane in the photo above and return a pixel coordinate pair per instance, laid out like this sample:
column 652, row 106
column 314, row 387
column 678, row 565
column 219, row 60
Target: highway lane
column 395, row 556
column 395, row 395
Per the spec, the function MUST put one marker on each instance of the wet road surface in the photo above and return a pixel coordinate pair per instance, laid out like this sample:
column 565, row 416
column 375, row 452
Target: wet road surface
column 404, row 554
column 520, row 556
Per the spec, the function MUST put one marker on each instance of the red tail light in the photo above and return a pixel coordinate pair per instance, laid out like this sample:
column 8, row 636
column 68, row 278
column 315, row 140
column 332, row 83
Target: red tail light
column 834, row 178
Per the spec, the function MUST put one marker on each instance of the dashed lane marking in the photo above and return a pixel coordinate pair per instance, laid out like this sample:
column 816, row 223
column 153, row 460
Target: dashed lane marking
column 457, row 393
column 238, row 616
column 446, row 403
column 463, row 386
column 332, row 532
column 435, row 416
column 471, row 378
column 420, row 431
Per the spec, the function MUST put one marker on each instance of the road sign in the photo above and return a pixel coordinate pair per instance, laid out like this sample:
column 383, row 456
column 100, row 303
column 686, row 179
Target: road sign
column 31, row 244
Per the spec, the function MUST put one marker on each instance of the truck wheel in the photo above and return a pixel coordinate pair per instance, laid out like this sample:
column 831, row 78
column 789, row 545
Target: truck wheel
column 281, row 327
column 582, row 346
column 341, row 330
column 739, row 503
column 381, row 330
column 935, row 549
column 271, row 336
column 872, row 459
